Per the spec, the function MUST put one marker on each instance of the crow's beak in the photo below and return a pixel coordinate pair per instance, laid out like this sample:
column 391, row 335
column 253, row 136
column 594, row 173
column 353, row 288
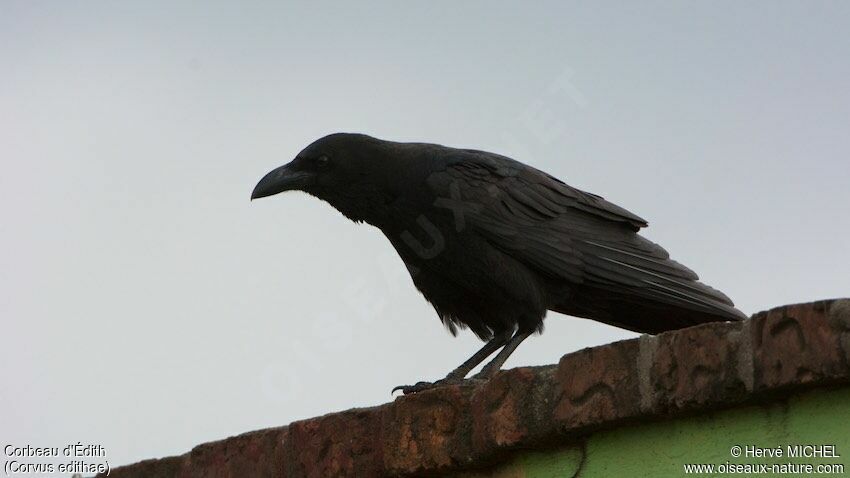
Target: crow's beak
column 284, row 178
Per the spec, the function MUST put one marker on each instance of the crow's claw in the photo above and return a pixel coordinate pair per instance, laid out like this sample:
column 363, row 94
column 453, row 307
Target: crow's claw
column 419, row 387
column 422, row 386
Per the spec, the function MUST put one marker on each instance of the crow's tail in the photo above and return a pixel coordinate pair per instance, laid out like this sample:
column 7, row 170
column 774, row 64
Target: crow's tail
column 644, row 291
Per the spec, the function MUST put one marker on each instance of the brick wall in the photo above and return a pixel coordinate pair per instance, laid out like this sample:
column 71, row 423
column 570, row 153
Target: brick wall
column 460, row 429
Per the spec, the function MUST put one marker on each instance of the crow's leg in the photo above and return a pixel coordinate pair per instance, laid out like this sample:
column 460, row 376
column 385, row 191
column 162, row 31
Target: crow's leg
column 491, row 346
column 491, row 368
column 457, row 375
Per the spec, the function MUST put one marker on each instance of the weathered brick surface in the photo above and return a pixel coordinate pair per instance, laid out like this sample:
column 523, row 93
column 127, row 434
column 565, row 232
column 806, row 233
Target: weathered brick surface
column 839, row 319
column 259, row 453
column 514, row 407
column 428, row 431
column 597, row 385
column 698, row 366
column 339, row 444
column 797, row 345
column 454, row 427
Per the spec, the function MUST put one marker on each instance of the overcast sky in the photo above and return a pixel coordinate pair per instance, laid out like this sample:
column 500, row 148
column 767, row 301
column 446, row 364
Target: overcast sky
column 148, row 306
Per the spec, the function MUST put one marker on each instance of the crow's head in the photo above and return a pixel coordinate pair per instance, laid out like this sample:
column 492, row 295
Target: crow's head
column 352, row 172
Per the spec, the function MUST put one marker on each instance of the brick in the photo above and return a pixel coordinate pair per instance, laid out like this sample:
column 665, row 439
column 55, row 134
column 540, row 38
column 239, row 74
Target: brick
column 429, row 430
column 339, row 444
column 699, row 366
column 839, row 319
column 596, row 386
column 797, row 345
column 259, row 452
column 512, row 408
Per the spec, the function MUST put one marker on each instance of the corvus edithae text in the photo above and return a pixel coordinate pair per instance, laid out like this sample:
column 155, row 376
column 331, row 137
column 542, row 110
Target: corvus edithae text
column 493, row 244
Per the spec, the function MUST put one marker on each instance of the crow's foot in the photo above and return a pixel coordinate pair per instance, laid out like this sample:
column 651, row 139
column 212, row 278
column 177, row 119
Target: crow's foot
column 422, row 386
column 418, row 387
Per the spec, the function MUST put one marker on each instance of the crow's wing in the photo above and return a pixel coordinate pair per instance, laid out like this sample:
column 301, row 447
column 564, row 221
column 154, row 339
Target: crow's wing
column 568, row 234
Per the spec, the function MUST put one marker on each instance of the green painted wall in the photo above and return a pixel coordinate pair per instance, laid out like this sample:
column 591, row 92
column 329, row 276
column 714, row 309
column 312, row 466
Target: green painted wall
column 661, row 449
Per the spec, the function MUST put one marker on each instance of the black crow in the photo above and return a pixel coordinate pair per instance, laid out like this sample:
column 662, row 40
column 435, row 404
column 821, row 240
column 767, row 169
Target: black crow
column 494, row 244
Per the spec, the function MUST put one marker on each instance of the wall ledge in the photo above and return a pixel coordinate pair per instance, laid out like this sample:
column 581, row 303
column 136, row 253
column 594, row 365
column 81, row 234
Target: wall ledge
column 775, row 353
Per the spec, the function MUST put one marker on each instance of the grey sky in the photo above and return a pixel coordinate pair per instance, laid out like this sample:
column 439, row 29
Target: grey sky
column 148, row 306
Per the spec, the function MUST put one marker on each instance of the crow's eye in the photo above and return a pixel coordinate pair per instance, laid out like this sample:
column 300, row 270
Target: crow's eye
column 322, row 162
